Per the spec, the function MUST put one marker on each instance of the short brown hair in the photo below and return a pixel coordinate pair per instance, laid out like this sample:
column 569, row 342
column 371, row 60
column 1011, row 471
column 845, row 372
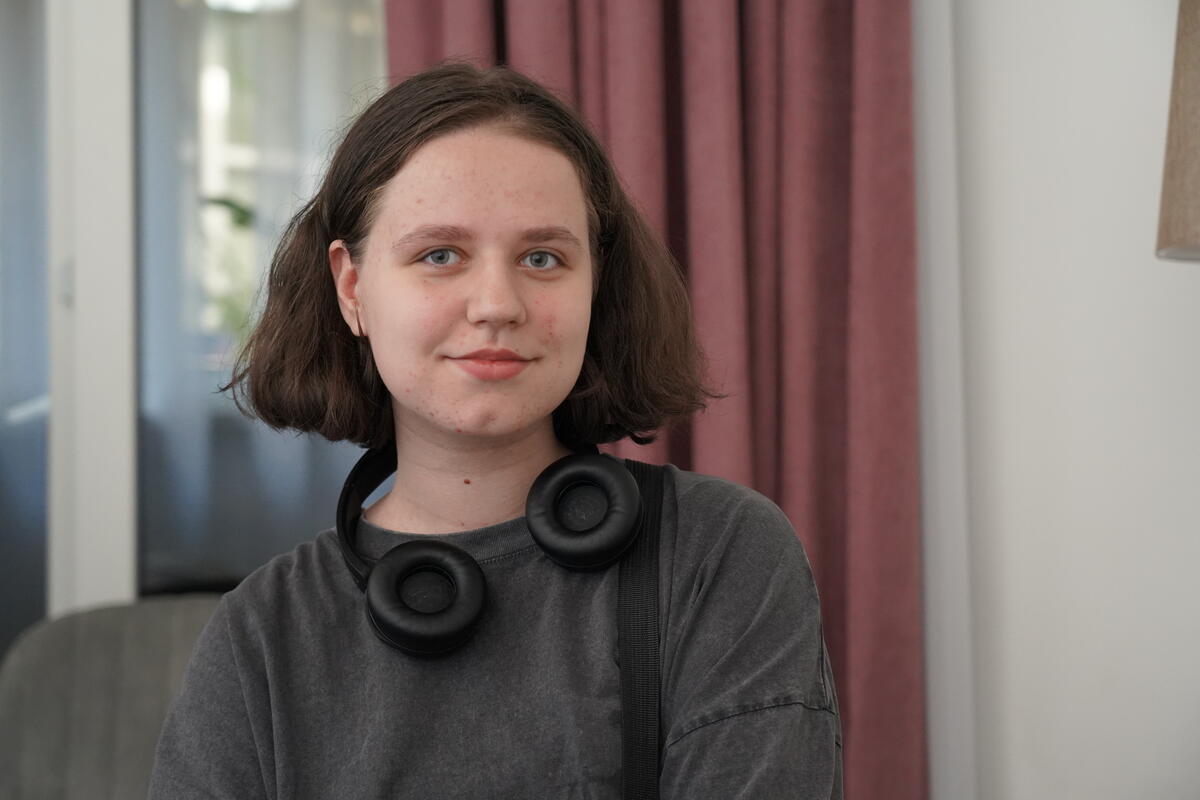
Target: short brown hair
column 302, row 367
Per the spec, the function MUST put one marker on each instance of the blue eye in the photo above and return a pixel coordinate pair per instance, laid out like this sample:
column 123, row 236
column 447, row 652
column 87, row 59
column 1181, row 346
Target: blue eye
column 541, row 259
column 442, row 257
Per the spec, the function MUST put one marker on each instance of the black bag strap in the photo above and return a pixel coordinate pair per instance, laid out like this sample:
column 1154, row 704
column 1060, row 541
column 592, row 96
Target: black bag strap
column 637, row 637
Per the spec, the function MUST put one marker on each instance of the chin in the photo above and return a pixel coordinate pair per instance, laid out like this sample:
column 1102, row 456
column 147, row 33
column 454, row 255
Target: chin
column 500, row 426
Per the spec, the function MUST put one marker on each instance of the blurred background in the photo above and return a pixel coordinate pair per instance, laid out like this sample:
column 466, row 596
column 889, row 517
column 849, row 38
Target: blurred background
column 152, row 150
column 237, row 107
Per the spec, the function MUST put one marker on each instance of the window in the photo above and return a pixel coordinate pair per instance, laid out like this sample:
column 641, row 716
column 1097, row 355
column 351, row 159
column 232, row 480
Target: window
column 240, row 103
column 24, row 399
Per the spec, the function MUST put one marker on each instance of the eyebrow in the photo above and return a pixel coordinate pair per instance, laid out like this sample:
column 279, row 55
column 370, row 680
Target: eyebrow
column 454, row 233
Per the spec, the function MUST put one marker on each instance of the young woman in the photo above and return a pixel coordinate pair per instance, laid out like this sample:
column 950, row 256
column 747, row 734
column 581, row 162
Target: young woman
column 472, row 295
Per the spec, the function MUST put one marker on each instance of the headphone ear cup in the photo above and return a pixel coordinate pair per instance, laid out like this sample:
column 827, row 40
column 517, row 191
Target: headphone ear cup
column 583, row 510
column 425, row 597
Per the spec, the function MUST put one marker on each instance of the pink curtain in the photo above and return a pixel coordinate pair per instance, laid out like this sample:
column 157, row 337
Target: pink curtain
column 770, row 142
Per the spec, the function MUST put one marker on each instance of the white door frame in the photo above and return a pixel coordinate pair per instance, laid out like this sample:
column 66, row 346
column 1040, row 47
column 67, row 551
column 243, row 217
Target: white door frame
column 91, row 219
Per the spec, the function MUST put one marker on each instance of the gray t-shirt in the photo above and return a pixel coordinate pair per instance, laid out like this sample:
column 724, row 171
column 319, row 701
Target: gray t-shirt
column 289, row 694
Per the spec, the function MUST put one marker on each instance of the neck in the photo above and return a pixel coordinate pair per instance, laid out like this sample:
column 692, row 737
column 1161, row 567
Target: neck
column 465, row 483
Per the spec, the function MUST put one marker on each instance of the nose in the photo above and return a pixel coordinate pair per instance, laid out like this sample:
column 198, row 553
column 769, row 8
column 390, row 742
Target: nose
column 495, row 295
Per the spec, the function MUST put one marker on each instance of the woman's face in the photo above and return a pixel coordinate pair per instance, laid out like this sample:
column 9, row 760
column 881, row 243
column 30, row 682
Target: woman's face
column 475, row 285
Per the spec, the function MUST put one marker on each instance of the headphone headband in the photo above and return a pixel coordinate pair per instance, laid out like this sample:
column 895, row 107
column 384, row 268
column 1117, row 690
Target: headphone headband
column 372, row 469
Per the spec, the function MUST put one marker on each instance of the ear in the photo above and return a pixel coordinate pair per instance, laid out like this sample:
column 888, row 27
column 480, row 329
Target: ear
column 345, row 280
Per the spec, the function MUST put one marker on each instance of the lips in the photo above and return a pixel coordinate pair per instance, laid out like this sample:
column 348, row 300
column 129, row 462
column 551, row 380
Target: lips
column 493, row 355
column 492, row 365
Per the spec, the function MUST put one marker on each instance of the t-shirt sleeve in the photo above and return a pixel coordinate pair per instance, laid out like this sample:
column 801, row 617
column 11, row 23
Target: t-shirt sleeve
column 207, row 749
column 749, row 706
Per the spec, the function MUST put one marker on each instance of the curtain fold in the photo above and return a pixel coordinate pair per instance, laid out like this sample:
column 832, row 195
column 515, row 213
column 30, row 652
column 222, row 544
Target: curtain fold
column 716, row 258
column 770, row 143
column 883, row 526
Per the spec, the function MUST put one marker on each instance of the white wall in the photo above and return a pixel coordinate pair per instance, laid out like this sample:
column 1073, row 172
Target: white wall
column 950, row 672
column 1082, row 375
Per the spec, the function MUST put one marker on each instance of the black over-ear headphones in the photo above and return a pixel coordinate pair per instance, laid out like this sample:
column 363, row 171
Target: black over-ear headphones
column 425, row 597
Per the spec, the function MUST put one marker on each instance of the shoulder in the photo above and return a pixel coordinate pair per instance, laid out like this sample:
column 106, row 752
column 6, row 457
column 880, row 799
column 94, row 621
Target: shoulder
column 742, row 629
column 707, row 494
column 717, row 520
column 289, row 588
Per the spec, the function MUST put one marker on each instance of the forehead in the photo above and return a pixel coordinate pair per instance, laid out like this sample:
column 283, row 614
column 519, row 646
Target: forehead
column 485, row 177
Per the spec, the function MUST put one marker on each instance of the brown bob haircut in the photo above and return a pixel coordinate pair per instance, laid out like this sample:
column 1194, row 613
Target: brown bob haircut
column 302, row 367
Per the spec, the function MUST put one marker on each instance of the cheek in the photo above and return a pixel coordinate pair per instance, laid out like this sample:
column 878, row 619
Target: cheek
column 565, row 332
column 557, row 329
column 417, row 319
